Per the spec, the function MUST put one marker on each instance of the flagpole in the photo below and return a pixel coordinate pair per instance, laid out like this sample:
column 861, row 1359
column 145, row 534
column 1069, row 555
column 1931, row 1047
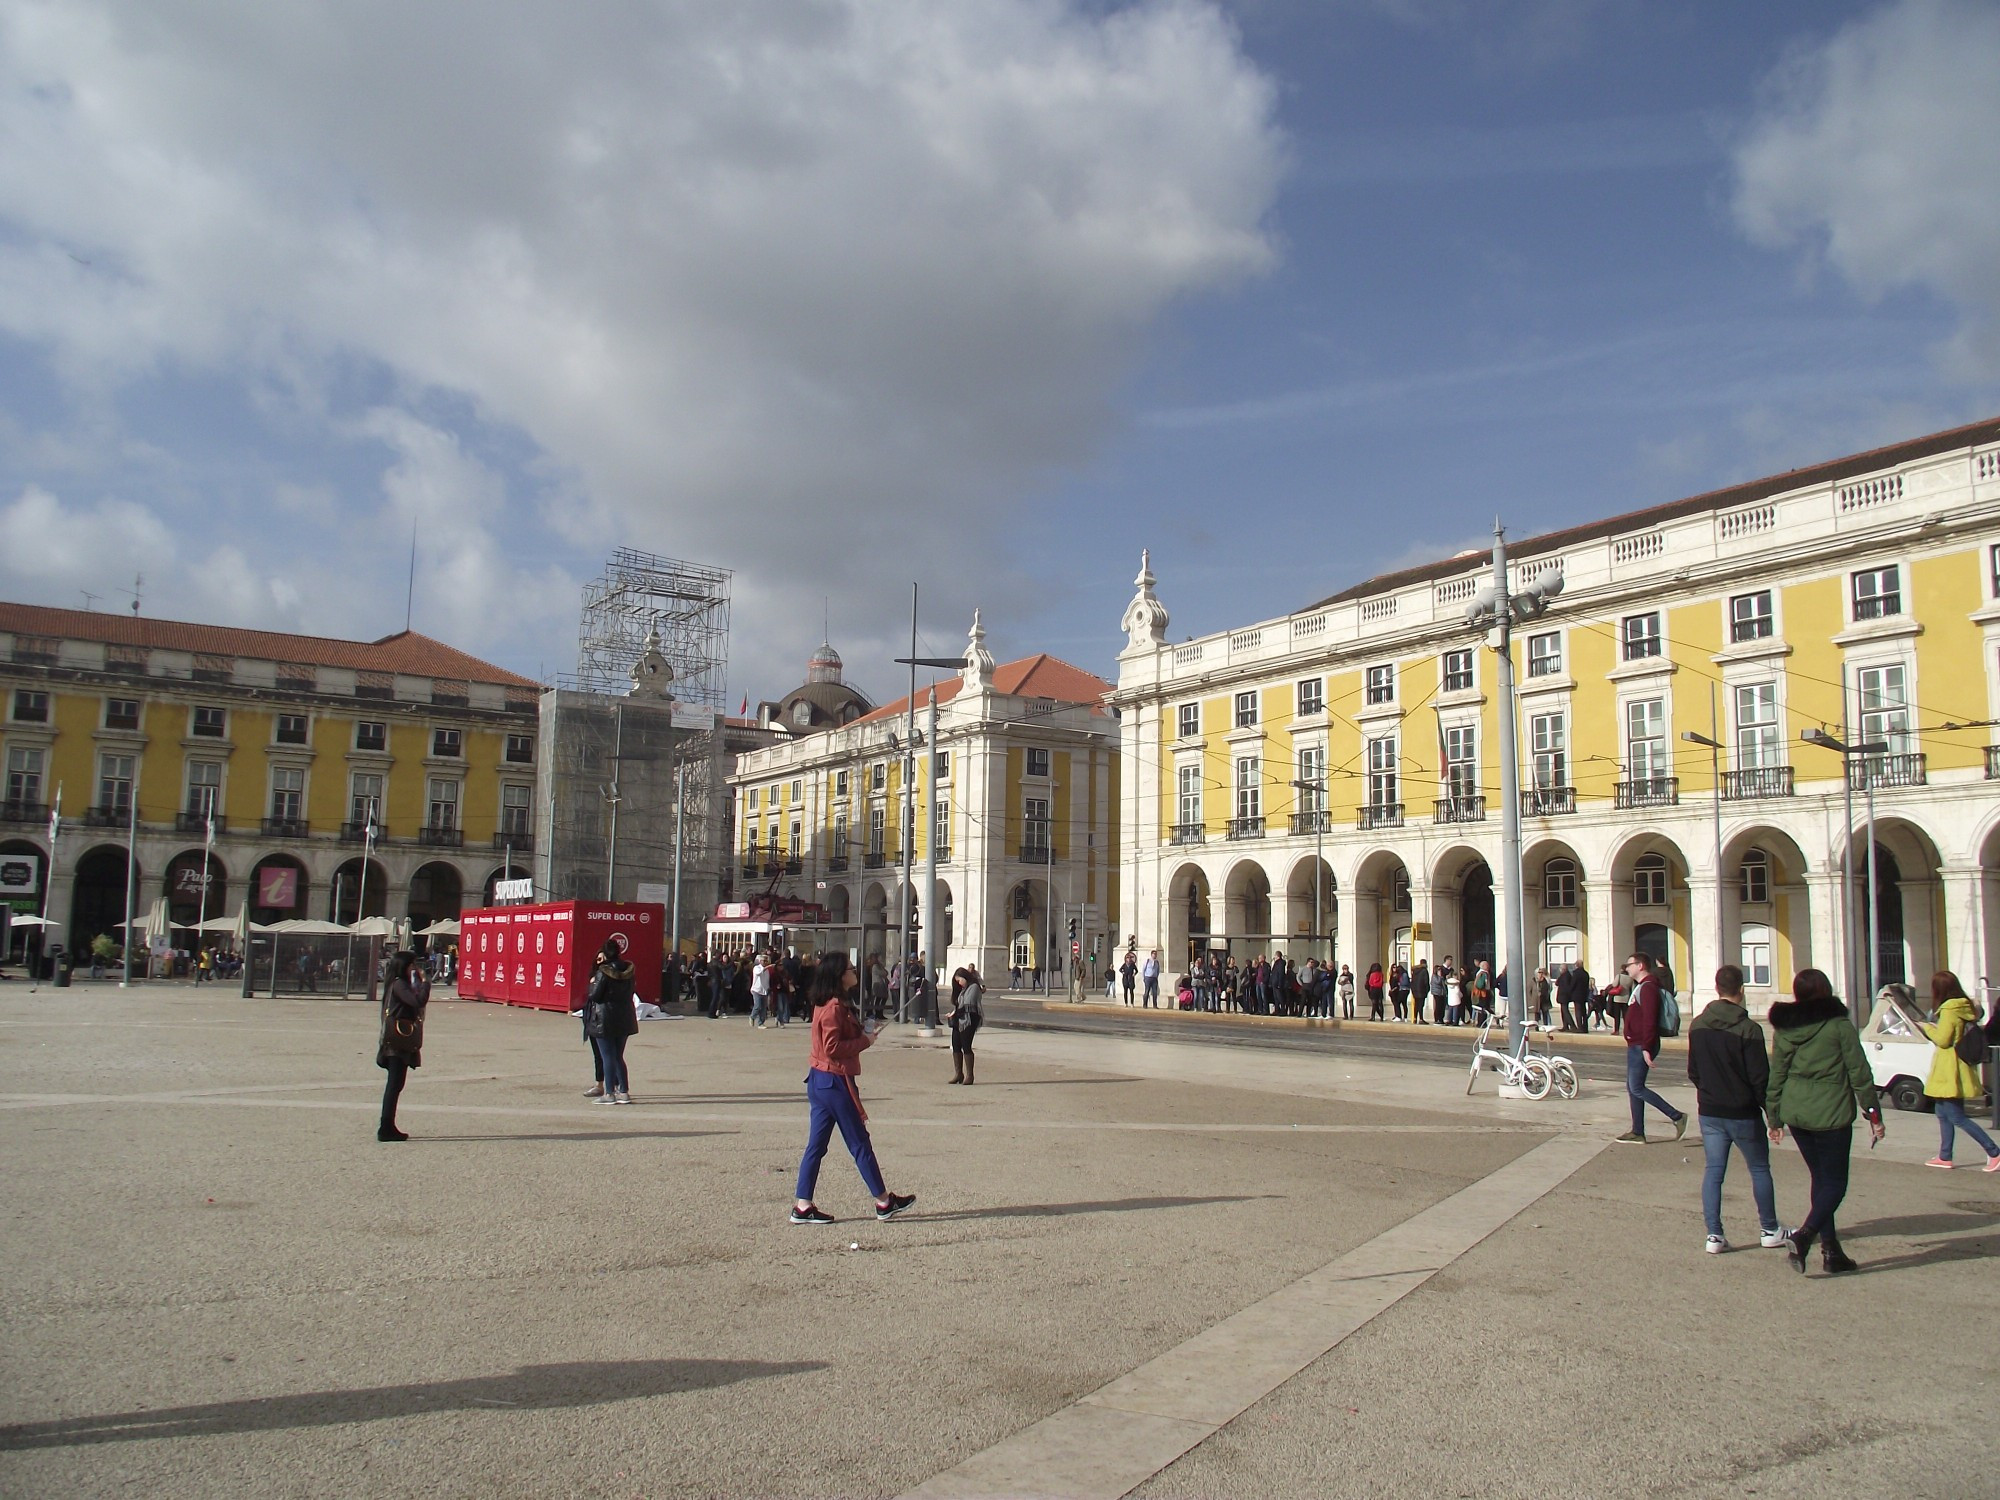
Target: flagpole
column 48, row 879
column 131, row 873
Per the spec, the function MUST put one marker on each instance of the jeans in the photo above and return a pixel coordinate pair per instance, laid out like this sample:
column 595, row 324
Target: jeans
column 832, row 1102
column 1826, row 1154
column 392, row 1090
column 760, row 1008
column 782, row 1003
column 1747, row 1136
column 611, row 1052
column 1152, row 992
column 1953, row 1118
column 1636, row 1067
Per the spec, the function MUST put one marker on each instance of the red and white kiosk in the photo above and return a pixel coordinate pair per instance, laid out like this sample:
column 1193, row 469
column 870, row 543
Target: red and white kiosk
column 541, row 955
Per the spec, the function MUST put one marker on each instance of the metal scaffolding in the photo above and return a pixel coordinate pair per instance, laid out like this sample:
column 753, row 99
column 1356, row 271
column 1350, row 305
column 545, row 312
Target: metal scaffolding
column 641, row 593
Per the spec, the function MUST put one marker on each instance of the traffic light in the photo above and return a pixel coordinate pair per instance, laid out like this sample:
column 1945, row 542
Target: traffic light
column 1072, row 929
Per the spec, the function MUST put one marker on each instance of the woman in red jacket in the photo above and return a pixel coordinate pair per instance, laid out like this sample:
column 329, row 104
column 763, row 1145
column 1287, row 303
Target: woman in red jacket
column 838, row 1040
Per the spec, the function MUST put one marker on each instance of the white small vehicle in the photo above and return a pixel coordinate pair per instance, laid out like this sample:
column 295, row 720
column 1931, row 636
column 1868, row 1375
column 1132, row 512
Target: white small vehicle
column 1899, row 1054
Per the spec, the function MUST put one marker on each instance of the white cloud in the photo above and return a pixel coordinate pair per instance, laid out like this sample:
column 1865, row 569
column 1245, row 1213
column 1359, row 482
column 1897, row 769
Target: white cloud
column 793, row 288
column 1879, row 149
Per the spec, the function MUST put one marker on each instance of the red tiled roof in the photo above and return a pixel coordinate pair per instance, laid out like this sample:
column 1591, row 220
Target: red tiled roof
column 1038, row 676
column 406, row 651
column 1831, row 472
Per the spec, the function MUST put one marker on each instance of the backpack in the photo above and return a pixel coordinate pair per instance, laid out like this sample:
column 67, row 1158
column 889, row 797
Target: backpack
column 1972, row 1048
column 1670, row 1013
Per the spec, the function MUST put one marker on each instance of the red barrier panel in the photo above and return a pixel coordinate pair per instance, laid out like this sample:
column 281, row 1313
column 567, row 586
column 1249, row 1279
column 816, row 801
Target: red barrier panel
column 542, row 956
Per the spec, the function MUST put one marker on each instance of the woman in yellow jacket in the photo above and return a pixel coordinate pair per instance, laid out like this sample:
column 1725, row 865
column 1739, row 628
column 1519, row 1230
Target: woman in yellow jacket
column 1952, row 1081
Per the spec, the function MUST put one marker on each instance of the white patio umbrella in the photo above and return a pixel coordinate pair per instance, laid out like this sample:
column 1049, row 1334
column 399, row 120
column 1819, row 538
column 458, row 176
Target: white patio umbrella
column 444, row 927
column 33, row 922
column 310, row 927
column 373, row 927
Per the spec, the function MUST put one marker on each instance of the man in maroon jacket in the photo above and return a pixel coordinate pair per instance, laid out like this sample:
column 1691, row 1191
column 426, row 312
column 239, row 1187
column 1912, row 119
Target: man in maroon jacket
column 1642, row 1046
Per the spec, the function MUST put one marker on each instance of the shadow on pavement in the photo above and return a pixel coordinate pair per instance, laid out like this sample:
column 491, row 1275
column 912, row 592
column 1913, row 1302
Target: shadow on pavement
column 1036, row 1083
column 1109, row 1206
column 543, row 1387
column 584, row 1135
column 1970, row 1216
column 1942, row 1252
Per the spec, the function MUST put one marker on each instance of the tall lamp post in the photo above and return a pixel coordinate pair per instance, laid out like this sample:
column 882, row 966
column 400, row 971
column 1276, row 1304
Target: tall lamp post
column 1848, row 752
column 1694, row 737
column 1496, row 609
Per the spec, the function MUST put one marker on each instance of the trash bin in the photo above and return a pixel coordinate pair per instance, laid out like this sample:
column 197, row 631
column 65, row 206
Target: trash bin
column 62, row 973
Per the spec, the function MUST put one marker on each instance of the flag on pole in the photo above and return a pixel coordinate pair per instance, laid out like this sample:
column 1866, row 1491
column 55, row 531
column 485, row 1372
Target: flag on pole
column 55, row 820
column 743, row 708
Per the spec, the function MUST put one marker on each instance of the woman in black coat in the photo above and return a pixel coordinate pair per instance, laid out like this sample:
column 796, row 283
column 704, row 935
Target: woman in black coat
column 609, row 1018
column 401, row 1047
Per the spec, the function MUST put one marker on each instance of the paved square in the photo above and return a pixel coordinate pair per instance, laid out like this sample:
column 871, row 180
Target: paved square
column 218, row 1282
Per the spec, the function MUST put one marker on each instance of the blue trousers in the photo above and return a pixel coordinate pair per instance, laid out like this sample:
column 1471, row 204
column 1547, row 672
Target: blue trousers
column 611, row 1053
column 1747, row 1136
column 1951, row 1118
column 1636, row 1067
column 832, row 1103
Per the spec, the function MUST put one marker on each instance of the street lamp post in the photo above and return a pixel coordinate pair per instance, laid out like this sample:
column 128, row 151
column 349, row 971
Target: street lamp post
column 1714, row 744
column 1848, row 753
column 1497, row 609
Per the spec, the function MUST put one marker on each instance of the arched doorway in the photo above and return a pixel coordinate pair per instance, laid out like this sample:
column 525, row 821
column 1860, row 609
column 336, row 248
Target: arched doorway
column 1311, row 911
column 1891, row 965
column 192, row 896
column 436, row 892
column 24, row 873
column 1476, row 918
column 946, row 934
column 1187, row 914
column 358, row 893
column 1247, row 909
column 278, row 889
column 97, row 901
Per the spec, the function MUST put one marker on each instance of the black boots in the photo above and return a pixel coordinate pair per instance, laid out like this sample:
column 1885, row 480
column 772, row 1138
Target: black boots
column 968, row 1067
column 1800, row 1246
column 958, row 1067
column 1833, row 1260
column 388, row 1132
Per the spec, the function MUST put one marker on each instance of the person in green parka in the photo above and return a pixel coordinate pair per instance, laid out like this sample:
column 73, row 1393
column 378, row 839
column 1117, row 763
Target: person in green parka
column 1952, row 1081
column 1819, row 1075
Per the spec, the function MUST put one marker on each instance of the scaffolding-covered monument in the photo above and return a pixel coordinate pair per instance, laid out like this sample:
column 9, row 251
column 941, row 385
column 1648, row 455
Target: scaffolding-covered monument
column 632, row 765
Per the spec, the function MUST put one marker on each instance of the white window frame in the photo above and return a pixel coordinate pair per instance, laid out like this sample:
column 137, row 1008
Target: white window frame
column 116, row 769
column 1465, row 657
column 1187, row 794
column 1754, row 951
column 1385, row 771
column 204, row 796
column 1889, row 719
column 1379, row 684
column 288, row 790
column 1549, row 738
column 1559, row 884
column 1759, row 741
column 27, row 766
column 1875, row 593
column 1312, row 775
column 1545, row 654
column 441, row 806
column 1187, row 721
column 1752, row 616
column 525, row 807
column 1641, row 637
column 1246, row 714
column 1310, row 697
column 1652, row 880
column 1461, row 760
column 1648, row 756
column 1037, row 760
column 1753, row 878
column 1249, row 787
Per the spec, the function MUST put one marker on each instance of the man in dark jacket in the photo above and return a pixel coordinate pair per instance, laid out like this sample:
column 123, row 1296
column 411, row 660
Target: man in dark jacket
column 1641, row 1026
column 1730, row 1071
column 1420, row 991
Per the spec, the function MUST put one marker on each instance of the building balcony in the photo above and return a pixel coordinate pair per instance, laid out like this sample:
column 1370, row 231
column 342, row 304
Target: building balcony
column 1648, row 791
column 795, row 865
column 1548, row 801
column 773, row 867
column 195, row 820
column 1246, row 828
column 1993, row 762
column 287, row 828
column 1187, row 833
column 1038, row 854
column 107, row 817
column 1379, row 815
column 357, row 833
column 520, row 840
column 943, row 852
column 1459, row 810
column 837, row 864
column 38, row 812
column 750, row 867
column 1312, row 822
column 1885, row 771
column 1756, row 781
column 874, row 859
column 441, row 838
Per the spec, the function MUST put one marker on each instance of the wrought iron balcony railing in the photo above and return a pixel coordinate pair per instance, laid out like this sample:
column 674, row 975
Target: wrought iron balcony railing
column 20, row 811
column 1312, row 822
column 1756, row 781
column 1187, row 833
column 1548, row 801
column 441, row 838
column 1459, row 810
column 520, row 840
column 874, row 859
column 1648, row 791
column 837, row 863
column 196, row 821
column 1379, row 815
column 1246, row 828
column 107, row 817
column 287, row 828
column 1993, row 762
column 1885, row 771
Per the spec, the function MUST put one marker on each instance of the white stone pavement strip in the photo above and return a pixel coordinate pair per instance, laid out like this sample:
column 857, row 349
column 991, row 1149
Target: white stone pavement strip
column 1121, row 1435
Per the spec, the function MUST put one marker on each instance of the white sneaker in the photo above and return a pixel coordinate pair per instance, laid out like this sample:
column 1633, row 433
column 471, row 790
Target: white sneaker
column 595, row 1091
column 1717, row 1244
column 1776, row 1239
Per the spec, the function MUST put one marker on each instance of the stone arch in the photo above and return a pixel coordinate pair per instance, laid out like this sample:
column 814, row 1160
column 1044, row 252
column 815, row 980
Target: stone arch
column 1542, row 882
column 97, row 900
column 1190, row 913
column 1463, row 912
column 194, row 895
column 1310, row 933
column 1652, row 903
column 26, row 859
column 840, row 905
column 1246, row 904
column 1767, row 910
column 875, row 922
column 1909, row 904
column 939, row 943
column 350, row 898
column 437, row 891
column 1384, row 908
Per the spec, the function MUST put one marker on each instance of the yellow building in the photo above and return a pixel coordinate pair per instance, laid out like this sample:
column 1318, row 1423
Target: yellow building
column 1329, row 781
column 293, row 743
column 1018, row 798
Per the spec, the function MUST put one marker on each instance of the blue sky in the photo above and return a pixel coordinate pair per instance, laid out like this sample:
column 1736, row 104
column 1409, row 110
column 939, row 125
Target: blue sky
column 990, row 295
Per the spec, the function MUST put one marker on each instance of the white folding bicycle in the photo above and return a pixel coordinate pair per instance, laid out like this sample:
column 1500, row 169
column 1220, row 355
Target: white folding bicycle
column 1526, row 1072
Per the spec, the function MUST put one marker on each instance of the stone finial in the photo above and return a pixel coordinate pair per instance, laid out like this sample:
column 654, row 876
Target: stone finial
column 978, row 672
column 1145, row 621
column 652, row 673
